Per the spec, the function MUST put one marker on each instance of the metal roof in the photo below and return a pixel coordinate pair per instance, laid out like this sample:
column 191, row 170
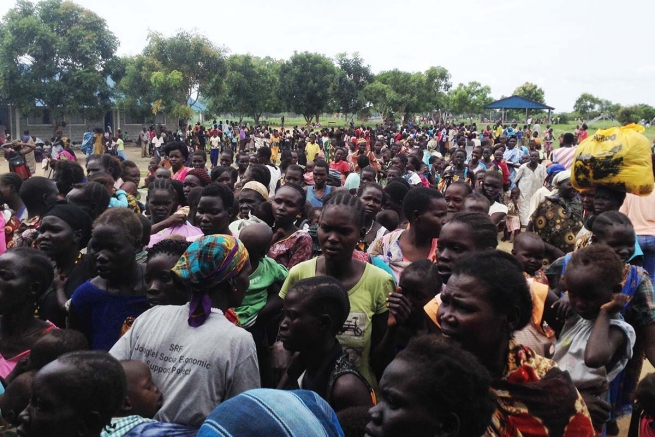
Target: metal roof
column 517, row 102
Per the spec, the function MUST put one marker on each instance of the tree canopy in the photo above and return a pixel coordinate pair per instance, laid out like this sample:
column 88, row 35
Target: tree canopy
column 351, row 78
column 532, row 92
column 469, row 99
column 58, row 55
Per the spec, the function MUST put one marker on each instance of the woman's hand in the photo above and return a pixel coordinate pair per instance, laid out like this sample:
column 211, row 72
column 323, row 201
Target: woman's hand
column 399, row 308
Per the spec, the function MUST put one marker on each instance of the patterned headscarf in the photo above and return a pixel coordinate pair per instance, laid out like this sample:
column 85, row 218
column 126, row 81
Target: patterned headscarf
column 207, row 262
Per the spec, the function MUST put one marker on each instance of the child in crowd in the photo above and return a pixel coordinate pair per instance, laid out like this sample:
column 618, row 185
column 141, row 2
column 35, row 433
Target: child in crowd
column 315, row 310
column 309, row 173
column 595, row 343
column 643, row 412
column 161, row 289
column 476, row 202
column 118, row 197
column 512, row 222
column 82, row 391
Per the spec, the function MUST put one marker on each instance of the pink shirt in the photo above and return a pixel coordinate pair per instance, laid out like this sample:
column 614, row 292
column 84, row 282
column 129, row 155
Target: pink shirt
column 641, row 212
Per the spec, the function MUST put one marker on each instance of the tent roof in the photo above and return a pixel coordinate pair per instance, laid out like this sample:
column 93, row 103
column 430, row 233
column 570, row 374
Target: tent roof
column 516, row 102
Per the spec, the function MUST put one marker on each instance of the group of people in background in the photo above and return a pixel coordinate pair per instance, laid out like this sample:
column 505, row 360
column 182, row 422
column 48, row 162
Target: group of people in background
column 324, row 282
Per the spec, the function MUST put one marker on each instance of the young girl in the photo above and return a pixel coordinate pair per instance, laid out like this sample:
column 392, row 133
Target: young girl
column 595, row 343
column 512, row 222
column 643, row 414
column 160, row 287
column 290, row 245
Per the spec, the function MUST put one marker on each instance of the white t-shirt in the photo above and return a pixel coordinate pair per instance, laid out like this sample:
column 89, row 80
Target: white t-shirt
column 195, row 368
column 215, row 142
column 276, row 174
column 497, row 207
column 157, row 142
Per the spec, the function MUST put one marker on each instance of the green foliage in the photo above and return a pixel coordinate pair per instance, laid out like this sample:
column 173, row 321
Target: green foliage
column 532, row 92
column 437, row 85
column 351, row 78
column 629, row 114
column 469, row 99
column 382, row 97
column 305, row 81
column 250, row 87
column 58, row 54
column 563, row 118
column 136, row 94
column 647, row 112
column 587, row 105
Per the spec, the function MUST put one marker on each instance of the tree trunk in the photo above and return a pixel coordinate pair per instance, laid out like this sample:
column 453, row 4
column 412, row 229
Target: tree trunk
column 256, row 116
column 316, row 118
column 308, row 118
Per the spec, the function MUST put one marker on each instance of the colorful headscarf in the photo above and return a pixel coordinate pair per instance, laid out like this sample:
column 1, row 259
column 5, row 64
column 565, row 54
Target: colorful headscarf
column 273, row 413
column 207, row 262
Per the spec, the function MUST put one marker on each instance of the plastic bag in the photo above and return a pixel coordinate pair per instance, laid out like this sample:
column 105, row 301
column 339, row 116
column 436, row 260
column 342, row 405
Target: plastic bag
column 618, row 158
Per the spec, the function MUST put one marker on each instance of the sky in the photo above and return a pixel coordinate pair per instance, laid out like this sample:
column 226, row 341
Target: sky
column 567, row 47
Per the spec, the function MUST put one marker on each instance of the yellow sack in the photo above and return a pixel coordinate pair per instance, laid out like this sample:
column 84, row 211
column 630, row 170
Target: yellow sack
column 618, row 158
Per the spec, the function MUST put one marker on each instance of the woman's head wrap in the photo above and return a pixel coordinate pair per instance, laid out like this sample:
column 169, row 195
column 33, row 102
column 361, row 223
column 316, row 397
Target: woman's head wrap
column 75, row 217
column 207, row 262
column 561, row 177
column 257, row 187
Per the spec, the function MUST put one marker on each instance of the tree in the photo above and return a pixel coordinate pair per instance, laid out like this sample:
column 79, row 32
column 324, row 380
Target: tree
column 408, row 91
column 587, row 105
column 136, row 94
column 382, row 97
column 351, row 78
column 305, row 81
column 58, row 55
column 437, row 85
column 647, row 112
column 250, row 87
column 469, row 99
column 532, row 92
column 629, row 114
column 181, row 69
column 607, row 107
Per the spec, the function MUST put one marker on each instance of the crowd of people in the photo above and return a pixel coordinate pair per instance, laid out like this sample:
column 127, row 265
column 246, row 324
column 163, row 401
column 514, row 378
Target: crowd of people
column 324, row 282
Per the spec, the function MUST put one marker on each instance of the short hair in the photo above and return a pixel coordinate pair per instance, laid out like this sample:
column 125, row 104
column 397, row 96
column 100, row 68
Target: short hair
column 98, row 194
column 123, row 218
column 396, row 191
column 644, row 395
column 127, row 164
column 416, row 163
column 33, row 189
column 568, row 138
column 63, row 342
column 346, row 200
column 37, row 265
column 110, row 163
column 218, row 171
column 494, row 174
column 12, row 180
column 602, row 224
column 467, row 187
column 200, row 153
column 529, row 236
column 261, row 174
column 177, row 145
column 264, row 152
column 147, row 229
column 299, row 190
column 325, row 295
column 459, row 151
column 613, row 195
column 502, row 274
column 428, row 271
column 222, row 192
column 597, row 258
column 363, row 161
column 68, row 173
column 454, row 382
column 483, row 230
column 373, row 185
column 418, row 199
column 169, row 246
column 100, row 383
column 323, row 164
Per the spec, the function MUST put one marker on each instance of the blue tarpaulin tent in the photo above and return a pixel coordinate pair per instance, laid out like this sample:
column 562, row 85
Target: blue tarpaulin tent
column 518, row 102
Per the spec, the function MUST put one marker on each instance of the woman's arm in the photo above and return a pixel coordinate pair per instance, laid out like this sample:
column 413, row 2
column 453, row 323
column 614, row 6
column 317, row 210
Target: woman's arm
column 350, row 391
column 606, row 344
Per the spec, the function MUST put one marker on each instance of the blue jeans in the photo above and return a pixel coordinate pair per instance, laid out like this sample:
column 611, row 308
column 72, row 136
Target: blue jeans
column 213, row 156
column 647, row 243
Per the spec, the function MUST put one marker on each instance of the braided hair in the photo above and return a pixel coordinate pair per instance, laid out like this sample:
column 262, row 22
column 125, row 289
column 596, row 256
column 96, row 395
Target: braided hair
column 169, row 246
column 346, row 200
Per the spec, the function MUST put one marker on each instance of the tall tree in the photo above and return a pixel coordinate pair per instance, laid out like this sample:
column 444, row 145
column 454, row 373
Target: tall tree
column 629, row 114
column 382, row 97
column 186, row 66
column 250, row 87
column 647, row 112
column 437, row 86
column 408, row 91
column 587, row 104
column 532, row 92
column 351, row 78
column 469, row 99
column 136, row 94
column 58, row 55
column 305, row 81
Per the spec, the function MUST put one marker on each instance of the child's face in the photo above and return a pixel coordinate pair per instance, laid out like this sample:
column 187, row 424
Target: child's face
column 52, row 411
column 161, row 288
column 316, row 216
column 419, row 292
column 310, row 167
column 198, row 162
column 530, row 254
column 111, row 250
column 587, row 292
column 143, row 396
column 621, row 239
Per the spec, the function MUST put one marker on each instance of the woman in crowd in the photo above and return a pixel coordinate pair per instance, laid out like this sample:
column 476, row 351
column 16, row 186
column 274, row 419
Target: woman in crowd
column 425, row 208
column 162, row 204
column 492, row 188
column 474, row 163
column 455, row 195
column 315, row 310
column 67, row 174
column 178, row 153
column 215, row 209
column 105, row 306
column 558, row 218
column 369, row 331
column 395, row 193
column 10, row 184
column 91, row 198
column 458, row 170
column 487, row 156
column 25, row 274
column 486, row 300
column 432, row 388
column 195, row 178
column 105, row 164
column 65, row 229
column 529, row 178
column 501, row 165
column 252, row 196
column 372, row 198
column 290, row 245
column 224, row 175
column 173, row 340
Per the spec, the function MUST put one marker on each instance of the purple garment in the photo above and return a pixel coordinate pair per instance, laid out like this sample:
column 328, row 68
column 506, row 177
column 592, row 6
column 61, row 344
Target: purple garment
column 157, row 429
